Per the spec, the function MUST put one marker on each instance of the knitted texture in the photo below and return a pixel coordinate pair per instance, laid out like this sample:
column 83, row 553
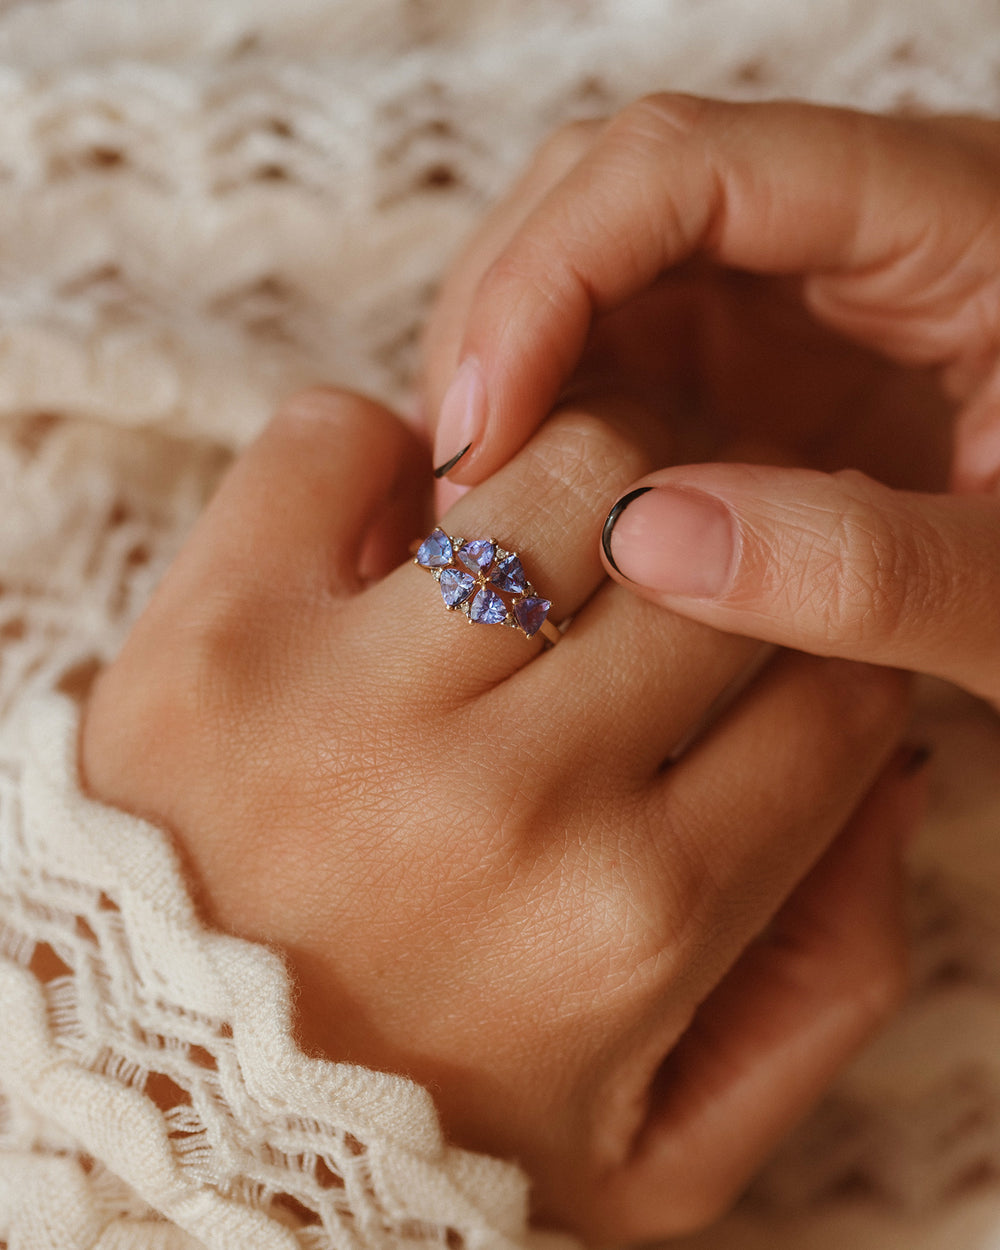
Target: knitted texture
column 206, row 205
column 148, row 1073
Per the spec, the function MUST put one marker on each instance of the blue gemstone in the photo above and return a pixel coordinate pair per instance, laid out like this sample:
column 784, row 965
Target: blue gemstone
column 488, row 608
column 436, row 551
column 456, row 587
column 508, row 575
column 530, row 614
column 477, row 556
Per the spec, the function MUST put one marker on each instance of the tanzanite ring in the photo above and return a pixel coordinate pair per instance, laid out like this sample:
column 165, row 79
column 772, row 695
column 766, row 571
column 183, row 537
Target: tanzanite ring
column 487, row 584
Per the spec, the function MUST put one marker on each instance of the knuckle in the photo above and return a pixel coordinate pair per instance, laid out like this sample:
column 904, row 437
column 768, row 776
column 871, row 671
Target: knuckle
column 203, row 662
column 536, row 262
column 143, row 721
column 326, row 411
column 566, row 145
column 664, row 116
column 584, row 454
column 312, row 403
column 866, row 602
column 868, row 571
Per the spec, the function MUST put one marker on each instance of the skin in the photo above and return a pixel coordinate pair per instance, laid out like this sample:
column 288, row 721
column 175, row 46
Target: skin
column 633, row 979
column 806, row 290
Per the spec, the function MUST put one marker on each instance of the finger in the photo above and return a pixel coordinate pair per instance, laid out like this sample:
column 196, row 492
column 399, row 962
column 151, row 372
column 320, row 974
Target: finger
column 443, row 338
column 791, row 1012
column 406, row 510
column 653, row 679
column 892, row 221
column 976, row 464
column 831, row 564
column 287, row 525
column 640, row 679
column 318, row 502
column 759, row 798
column 546, row 507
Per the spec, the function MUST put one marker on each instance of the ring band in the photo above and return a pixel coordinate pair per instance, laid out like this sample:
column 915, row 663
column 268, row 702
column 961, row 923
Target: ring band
column 486, row 583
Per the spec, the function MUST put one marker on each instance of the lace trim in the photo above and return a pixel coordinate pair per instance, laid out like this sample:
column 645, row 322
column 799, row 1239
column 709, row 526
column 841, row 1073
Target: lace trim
column 150, row 1064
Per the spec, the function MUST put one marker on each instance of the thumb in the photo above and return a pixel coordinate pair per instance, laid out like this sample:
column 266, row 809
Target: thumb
column 832, row 564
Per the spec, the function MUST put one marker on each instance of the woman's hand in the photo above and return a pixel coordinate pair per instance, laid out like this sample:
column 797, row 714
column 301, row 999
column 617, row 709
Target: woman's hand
column 631, row 978
column 831, row 564
column 887, row 227
column 721, row 256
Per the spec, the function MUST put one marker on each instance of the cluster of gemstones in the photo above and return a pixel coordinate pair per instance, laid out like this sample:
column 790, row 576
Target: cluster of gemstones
column 484, row 582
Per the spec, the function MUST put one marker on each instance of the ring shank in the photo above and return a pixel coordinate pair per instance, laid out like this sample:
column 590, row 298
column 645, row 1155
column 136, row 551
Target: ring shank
column 550, row 632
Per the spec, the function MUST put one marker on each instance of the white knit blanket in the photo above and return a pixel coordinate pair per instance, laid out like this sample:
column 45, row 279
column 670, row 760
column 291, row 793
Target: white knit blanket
column 205, row 204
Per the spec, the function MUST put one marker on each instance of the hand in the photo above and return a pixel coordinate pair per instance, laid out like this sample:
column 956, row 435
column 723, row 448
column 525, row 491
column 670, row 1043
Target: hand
column 833, row 226
column 632, row 979
column 883, row 230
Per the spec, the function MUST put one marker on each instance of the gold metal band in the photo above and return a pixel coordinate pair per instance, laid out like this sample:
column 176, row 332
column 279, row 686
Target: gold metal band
column 550, row 633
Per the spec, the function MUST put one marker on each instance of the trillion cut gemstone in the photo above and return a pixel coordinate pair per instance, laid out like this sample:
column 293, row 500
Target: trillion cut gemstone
column 436, row 551
column 488, row 608
column 456, row 587
column 477, row 556
column 508, row 575
column 530, row 614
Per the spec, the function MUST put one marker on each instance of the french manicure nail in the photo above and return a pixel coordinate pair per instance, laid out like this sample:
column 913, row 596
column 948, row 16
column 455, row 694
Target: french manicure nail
column 463, row 412
column 443, row 469
column 678, row 541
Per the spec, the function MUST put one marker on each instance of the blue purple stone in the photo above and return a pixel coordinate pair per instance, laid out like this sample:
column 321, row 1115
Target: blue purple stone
column 488, row 608
column 456, row 587
column 435, row 551
column 477, row 556
column 530, row 614
column 509, row 575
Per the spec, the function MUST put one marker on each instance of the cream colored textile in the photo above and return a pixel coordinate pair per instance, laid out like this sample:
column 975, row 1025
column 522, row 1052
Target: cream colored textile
column 203, row 205
column 148, row 1075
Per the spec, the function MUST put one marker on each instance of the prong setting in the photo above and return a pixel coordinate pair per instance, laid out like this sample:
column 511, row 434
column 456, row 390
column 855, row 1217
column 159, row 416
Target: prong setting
column 485, row 582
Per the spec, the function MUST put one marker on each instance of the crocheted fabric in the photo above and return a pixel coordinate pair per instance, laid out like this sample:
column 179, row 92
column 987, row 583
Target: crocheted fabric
column 204, row 206
column 150, row 1091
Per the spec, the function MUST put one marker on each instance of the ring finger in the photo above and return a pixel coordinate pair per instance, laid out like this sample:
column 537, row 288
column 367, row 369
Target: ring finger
column 645, row 675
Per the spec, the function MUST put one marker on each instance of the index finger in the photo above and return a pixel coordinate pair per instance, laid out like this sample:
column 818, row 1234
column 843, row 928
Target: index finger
column 891, row 221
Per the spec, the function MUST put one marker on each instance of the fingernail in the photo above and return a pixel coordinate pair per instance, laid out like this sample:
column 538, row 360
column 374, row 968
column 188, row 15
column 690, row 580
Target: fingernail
column 460, row 422
column 682, row 542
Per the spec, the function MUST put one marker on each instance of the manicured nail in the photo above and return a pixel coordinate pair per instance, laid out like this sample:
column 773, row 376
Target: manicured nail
column 682, row 542
column 463, row 412
column 448, row 465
